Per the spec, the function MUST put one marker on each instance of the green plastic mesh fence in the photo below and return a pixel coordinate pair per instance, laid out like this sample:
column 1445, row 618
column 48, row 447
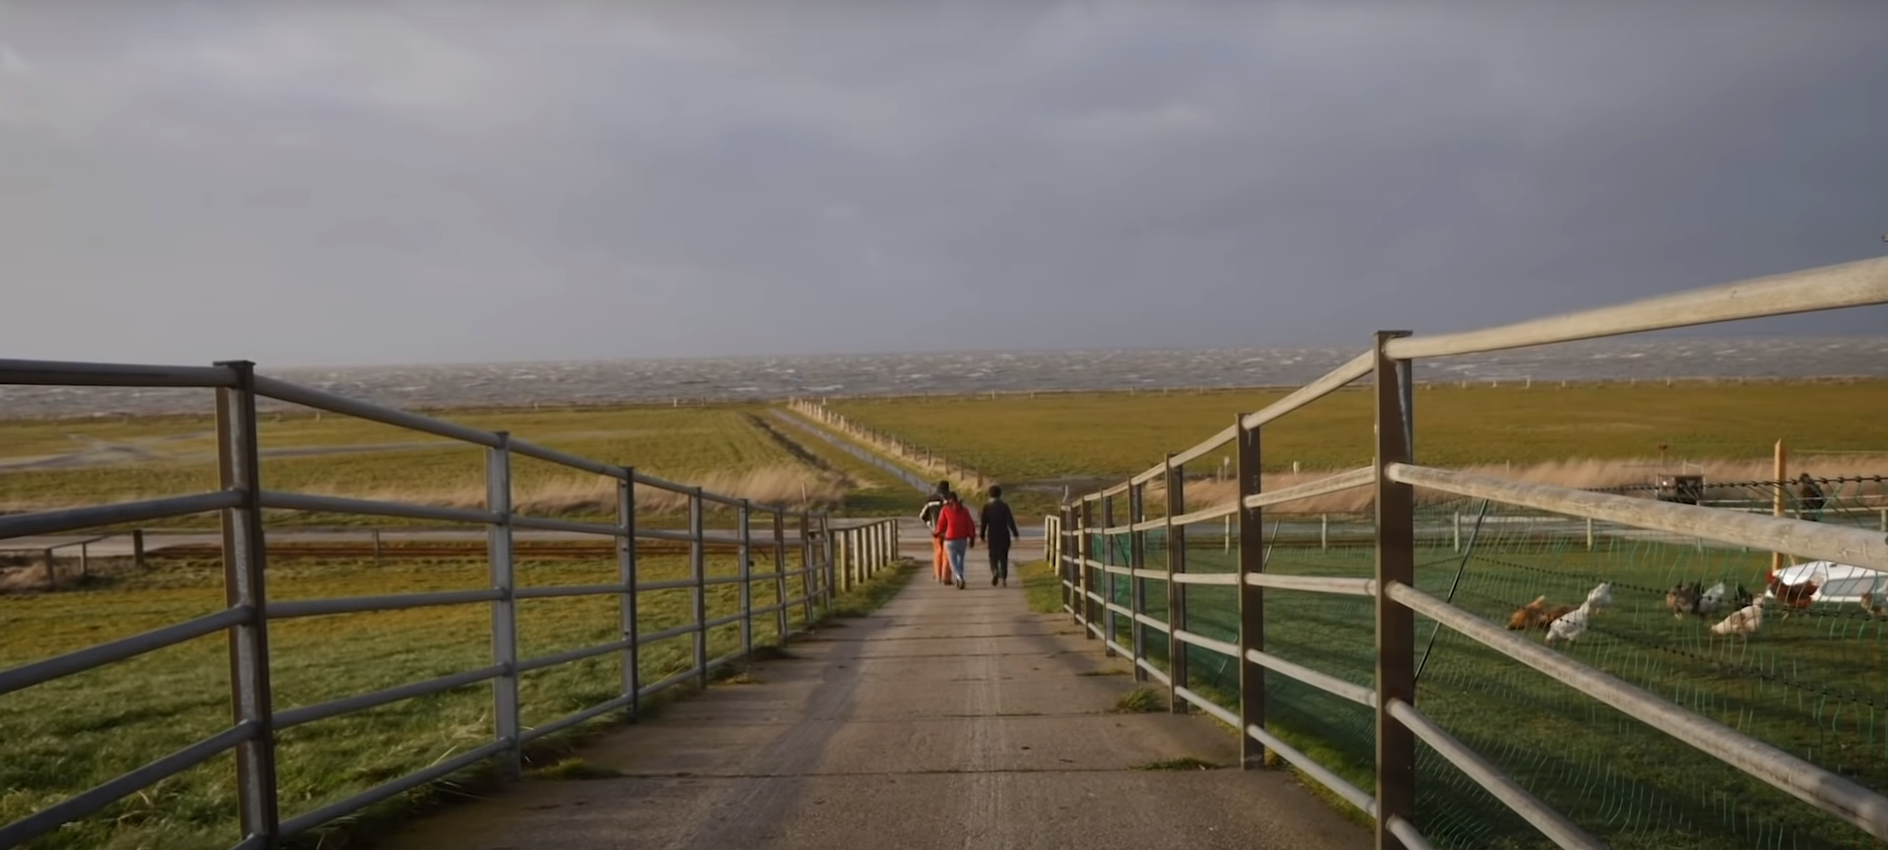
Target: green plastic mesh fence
column 1808, row 678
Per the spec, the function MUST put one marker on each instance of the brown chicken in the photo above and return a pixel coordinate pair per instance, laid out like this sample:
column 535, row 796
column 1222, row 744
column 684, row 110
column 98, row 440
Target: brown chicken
column 1791, row 596
column 1536, row 615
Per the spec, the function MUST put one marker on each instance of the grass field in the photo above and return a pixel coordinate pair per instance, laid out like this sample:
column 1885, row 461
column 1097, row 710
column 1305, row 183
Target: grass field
column 1810, row 685
column 724, row 449
column 1113, row 435
column 64, row 736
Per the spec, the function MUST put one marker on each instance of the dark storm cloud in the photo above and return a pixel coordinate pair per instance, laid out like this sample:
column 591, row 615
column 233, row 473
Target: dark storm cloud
column 352, row 182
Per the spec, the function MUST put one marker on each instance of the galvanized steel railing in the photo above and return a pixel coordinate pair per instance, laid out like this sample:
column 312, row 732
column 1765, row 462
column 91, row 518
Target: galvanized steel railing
column 831, row 560
column 1089, row 585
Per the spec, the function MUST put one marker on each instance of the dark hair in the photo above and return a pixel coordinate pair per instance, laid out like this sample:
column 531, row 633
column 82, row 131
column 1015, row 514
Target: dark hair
column 944, row 486
column 996, row 492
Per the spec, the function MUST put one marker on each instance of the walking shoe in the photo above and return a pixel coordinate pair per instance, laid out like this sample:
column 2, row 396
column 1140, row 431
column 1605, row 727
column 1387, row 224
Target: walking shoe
column 960, row 584
column 993, row 579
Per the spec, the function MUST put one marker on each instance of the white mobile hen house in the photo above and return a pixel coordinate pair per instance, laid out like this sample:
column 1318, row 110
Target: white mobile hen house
column 1837, row 582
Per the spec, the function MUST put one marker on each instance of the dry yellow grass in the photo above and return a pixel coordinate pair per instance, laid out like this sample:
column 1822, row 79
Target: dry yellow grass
column 1590, row 473
column 799, row 486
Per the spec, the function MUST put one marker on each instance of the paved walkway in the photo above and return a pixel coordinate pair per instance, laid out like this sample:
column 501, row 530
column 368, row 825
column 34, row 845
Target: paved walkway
column 949, row 719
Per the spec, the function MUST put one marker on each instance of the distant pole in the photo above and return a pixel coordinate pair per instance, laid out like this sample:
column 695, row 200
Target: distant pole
column 1776, row 507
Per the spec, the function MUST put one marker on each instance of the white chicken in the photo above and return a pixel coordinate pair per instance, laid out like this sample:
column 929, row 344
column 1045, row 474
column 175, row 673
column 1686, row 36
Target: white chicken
column 1600, row 597
column 1743, row 621
column 1712, row 600
column 1570, row 625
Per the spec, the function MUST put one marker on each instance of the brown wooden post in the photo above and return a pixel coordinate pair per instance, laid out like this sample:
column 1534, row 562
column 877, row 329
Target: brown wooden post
column 1396, row 624
column 1251, row 596
column 1176, row 592
column 1137, row 589
column 1085, row 549
column 137, row 548
column 1108, row 640
column 1067, row 565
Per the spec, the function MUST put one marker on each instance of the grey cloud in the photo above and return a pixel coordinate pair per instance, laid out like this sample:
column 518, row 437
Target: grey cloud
column 355, row 183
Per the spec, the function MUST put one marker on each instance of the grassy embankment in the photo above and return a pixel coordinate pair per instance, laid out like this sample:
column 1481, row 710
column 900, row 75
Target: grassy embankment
column 1809, row 684
column 70, row 734
column 728, row 450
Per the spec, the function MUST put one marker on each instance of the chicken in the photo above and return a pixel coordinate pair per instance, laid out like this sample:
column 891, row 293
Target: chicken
column 1710, row 601
column 1683, row 599
column 1872, row 608
column 1570, row 626
column 1743, row 621
column 1525, row 616
column 1743, row 599
column 1600, row 597
column 1792, row 595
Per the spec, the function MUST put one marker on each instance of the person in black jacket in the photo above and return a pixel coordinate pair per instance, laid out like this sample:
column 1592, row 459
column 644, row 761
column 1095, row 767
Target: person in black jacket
column 998, row 530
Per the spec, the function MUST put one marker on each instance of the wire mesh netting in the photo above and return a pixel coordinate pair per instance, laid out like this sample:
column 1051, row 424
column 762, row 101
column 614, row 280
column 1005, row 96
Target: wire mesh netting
column 1805, row 675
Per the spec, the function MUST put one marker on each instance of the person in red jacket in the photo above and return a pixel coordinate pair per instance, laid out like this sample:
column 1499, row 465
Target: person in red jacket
column 958, row 529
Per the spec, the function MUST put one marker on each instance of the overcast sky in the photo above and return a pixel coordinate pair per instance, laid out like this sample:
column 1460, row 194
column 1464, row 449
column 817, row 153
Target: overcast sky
column 351, row 182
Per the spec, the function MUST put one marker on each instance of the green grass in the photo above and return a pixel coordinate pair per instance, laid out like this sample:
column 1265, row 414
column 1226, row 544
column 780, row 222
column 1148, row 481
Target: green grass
column 1140, row 700
column 1810, row 685
column 870, row 595
column 1041, row 586
column 69, row 734
column 722, row 448
column 1112, row 435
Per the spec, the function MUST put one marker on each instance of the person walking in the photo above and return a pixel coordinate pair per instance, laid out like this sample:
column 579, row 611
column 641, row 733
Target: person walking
column 958, row 531
column 998, row 529
column 940, row 566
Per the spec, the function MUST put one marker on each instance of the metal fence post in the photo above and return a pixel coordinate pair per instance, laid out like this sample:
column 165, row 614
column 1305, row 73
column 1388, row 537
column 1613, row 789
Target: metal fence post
column 698, row 572
column 626, row 603
column 1137, row 589
column 747, row 580
column 1176, row 592
column 1251, row 596
column 1396, row 624
column 809, row 581
column 781, row 611
column 1085, row 548
column 245, row 554
column 504, row 579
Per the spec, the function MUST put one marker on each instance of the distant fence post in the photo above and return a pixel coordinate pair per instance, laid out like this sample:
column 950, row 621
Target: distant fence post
column 626, row 600
column 747, row 579
column 1085, row 550
column 245, row 555
column 1176, row 592
column 1137, row 589
column 782, row 612
column 503, row 576
column 1251, row 596
column 1396, row 624
column 698, row 573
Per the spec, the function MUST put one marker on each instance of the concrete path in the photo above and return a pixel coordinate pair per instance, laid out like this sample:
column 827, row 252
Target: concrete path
column 950, row 719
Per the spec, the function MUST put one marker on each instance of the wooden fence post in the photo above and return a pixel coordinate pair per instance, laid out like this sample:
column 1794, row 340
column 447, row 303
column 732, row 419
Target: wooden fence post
column 1251, row 596
column 1176, row 592
column 1396, row 624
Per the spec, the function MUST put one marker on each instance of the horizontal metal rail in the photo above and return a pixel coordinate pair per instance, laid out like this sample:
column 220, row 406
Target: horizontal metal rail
column 572, row 526
column 72, row 808
column 1204, row 514
column 1847, row 545
column 308, row 397
column 1807, row 782
column 648, row 480
column 336, row 504
column 56, row 373
column 1551, row 823
column 1338, row 483
column 533, row 450
column 1406, row 833
column 71, row 519
column 669, row 682
column 1206, row 446
column 292, row 717
column 1208, row 706
column 292, row 608
column 665, row 634
column 1315, row 584
column 590, row 713
column 79, row 661
column 1334, row 380
column 1855, row 284
column 303, row 823
column 1156, row 673
column 1360, row 694
column 568, row 656
column 566, row 591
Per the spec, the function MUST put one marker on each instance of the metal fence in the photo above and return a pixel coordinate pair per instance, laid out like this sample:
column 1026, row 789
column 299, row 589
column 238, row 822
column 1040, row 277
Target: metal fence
column 830, row 559
column 1130, row 575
